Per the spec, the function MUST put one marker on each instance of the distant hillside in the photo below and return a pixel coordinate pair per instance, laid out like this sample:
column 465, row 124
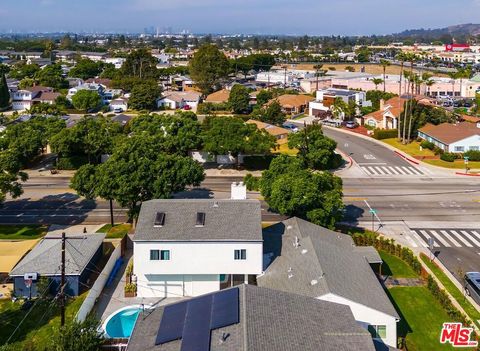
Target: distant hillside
column 461, row 30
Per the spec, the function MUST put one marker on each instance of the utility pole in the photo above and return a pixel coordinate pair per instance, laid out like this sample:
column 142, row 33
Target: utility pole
column 285, row 76
column 111, row 213
column 62, row 284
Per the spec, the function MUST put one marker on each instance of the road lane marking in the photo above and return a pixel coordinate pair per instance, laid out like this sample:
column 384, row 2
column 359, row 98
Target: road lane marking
column 474, row 232
column 400, row 170
column 408, row 170
column 461, row 238
column 371, row 171
column 470, row 237
column 393, row 170
column 419, row 239
column 439, row 238
column 449, row 237
column 380, row 170
column 435, row 244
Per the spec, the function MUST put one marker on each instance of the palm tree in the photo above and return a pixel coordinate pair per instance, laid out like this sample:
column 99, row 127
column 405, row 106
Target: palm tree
column 411, row 58
column 377, row 82
column 385, row 64
column 426, row 79
column 318, row 71
column 400, row 57
column 463, row 73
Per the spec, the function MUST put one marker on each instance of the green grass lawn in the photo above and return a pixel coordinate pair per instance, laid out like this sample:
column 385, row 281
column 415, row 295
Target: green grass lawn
column 458, row 164
column 285, row 150
column 37, row 328
column 395, row 267
column 412, row 149
column 117, row 232
column 22, row 232
column 421, row 316
column 453, row 290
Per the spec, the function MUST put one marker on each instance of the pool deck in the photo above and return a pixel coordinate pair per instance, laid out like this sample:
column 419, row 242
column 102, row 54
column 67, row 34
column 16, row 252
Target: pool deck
column 113, row 299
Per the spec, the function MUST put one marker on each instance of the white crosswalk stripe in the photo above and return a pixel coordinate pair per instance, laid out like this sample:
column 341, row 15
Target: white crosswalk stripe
column 390, row 170
column 425, row 234
column 447, row 237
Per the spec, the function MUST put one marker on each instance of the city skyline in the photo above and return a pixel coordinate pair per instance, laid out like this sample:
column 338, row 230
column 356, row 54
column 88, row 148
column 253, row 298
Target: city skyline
column 344, row 17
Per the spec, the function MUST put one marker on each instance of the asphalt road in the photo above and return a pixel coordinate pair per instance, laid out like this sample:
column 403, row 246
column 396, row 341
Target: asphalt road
column 364, row 152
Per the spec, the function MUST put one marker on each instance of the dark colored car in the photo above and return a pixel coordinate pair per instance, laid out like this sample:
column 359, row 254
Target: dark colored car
column 472, row 285
column 351, row 125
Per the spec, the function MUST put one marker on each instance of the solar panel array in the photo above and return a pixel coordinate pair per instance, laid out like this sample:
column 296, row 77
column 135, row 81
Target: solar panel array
column 193, row 320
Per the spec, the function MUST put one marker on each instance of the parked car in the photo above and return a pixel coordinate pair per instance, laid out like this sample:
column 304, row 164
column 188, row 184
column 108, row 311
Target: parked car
column 187, row 107
column 351, row 124
column 291, row 127
column 118, row 110
column 472, row 285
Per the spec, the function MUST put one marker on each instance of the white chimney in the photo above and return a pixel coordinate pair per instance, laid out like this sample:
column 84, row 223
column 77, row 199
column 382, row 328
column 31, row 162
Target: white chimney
column 382, row 104
column 239, row 191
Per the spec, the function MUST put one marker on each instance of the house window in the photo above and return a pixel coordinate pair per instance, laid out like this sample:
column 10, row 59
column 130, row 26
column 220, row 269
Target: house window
column 165, row 255
column 378, row 331
column 154, row 255
column 459, row 148
column 241, row 254
column 474, row 148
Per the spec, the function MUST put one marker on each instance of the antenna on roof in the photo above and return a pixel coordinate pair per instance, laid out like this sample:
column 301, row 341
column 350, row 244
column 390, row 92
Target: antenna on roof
column 224, row 337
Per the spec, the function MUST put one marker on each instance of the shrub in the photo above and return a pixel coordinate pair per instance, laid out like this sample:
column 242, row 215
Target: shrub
column 257, row 162
column 130, row 288
column 473, row 155
column 385, row 133
column 72, row 162
column 437, row 150
column 448, row 156
column 427, row 144
column 252, row 183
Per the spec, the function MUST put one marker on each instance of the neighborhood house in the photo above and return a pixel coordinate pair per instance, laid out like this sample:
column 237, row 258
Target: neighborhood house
column 459, row 137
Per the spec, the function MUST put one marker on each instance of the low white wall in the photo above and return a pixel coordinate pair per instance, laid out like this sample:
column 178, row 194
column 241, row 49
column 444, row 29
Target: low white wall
column 98, row 286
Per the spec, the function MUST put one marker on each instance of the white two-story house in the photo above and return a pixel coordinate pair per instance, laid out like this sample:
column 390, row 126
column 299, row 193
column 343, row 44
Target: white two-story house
column 190, row 247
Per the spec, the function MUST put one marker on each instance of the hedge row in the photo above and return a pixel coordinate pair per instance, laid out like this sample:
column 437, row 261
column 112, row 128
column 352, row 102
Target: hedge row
column 385, row 133
column 260, row 162
column 409, row 257
column 71, row 163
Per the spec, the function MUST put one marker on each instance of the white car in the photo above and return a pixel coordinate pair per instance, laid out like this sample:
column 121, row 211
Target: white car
column 291, row 127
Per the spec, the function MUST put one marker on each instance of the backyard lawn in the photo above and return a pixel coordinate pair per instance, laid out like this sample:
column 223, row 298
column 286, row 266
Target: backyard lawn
column 38, row 326
column 22, row 232
column 421, row 316
column 412, row 149
column 453, row 290
column 285, row 150
column 117, row 232
column 395, row 267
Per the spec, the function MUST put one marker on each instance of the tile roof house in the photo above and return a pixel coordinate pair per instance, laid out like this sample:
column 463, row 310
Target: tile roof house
column 189, row 247
column 281, row 134
column 82, row 252
column 218, row 97
column 253, row 319
column 303, row 258
column 458, row 137
column 24, row 99
column 388, row 114
column 293, row 104
column 179, row 99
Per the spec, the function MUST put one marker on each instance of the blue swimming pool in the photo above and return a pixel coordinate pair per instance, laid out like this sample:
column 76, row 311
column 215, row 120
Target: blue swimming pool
column 121, row 323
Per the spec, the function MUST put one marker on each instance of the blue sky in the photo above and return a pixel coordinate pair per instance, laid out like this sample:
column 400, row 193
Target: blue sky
column 322, row 17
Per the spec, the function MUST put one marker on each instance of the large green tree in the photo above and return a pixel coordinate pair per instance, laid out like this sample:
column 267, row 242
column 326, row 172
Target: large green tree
column 86, row 68
column 315, row 149
column 140, row 64
column 272, row 114
column 209, row 68
column 291, row 189
column 176, row 134
column 239, row 99
column 231, row 135
column 141, row 172
column 4, row 93
column 144, row 96
column 86, row 100
column 11, row 176
column 51, row 76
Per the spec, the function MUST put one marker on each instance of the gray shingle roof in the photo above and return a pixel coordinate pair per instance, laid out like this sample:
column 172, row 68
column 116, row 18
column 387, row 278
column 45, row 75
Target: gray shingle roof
column 225, row 220
column 45, row 257
column 271, row 321
column 325, row 262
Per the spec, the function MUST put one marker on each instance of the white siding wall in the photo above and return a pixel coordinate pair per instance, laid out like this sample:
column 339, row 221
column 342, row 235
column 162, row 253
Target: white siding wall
column 366, row 315
column 473, row 141
column 193, row 268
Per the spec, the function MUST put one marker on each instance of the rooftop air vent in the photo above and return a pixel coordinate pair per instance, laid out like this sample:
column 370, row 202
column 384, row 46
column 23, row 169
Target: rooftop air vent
column 313, row 282
column 159, row 219
column 200, row 219
column 304, row 251
column 215, row 204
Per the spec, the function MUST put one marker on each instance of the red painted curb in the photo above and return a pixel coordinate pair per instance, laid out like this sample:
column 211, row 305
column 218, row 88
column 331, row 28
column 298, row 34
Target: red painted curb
column 406, row 158
column 468, row 174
